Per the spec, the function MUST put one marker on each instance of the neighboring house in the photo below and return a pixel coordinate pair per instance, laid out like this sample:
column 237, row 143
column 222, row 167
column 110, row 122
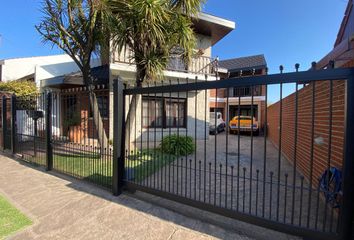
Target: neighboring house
column 233, row 68
column 343, row 50
column 179, row 113
column 38, row 68
column 342, row 55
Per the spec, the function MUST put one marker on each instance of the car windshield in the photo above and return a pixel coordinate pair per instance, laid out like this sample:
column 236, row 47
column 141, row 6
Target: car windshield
column 242, row 118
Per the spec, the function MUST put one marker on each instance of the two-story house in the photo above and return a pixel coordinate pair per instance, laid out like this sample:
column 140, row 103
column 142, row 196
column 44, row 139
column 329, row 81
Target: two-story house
column 158, row 114
column 228, row 101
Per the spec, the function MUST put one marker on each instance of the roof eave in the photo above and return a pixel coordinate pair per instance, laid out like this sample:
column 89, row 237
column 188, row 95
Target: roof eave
column 342, row 48
column 217, row 20
column 215, row 27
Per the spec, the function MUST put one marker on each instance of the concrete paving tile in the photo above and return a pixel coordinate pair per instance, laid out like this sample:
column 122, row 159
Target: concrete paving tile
column 130, row 224
column 182, row 234
column 71, row 209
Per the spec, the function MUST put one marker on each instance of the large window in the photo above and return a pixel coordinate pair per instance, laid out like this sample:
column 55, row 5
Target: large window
column 70, row 103
column 246, row 91
column 102, row 102
column 103, row 105
column 164, row 112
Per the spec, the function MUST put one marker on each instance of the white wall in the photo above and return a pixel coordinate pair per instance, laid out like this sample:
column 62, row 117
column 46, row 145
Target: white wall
column 43, row 67
column 196, row 124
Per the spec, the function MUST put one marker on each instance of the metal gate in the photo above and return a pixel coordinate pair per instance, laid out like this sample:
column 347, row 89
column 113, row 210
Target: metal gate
column 6, row 122
column 284, row 163
column 30, row 129
column 263, row 169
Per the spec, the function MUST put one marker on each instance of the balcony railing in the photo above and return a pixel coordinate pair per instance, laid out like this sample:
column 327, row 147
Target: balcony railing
column 198, row 65
column 245, row 91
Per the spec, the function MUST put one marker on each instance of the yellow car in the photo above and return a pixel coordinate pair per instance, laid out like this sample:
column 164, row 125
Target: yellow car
column 245, row 125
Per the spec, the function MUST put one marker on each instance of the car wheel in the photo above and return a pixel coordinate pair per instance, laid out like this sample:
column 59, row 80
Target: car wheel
column 219, row 129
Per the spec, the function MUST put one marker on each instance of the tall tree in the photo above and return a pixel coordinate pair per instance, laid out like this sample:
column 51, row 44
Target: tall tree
column 154, row 30
column 79, row 28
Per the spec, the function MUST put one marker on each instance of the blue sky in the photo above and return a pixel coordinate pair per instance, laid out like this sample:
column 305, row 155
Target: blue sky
column 287, row 32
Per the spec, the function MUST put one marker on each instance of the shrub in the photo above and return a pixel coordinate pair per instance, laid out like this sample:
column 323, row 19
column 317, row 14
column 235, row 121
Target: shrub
column 177, row 145
column 19, row 87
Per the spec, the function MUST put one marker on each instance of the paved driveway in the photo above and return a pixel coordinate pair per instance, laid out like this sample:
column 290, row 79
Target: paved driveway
column 234, row 172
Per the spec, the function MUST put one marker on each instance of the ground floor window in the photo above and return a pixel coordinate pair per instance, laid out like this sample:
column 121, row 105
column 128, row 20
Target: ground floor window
column 162, row 112
column 102, row 103
column 245, row 110
column 221, row 110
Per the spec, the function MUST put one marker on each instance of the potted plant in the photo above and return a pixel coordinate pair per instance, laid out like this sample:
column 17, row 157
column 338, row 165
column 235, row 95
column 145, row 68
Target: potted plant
column 72, row 126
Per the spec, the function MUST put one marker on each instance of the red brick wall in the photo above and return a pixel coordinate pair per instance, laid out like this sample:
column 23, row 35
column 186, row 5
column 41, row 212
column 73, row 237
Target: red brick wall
column 321, row 127
column 86, row 128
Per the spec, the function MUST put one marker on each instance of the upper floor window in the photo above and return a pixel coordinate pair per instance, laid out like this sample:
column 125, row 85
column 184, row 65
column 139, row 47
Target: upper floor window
column 246, row 91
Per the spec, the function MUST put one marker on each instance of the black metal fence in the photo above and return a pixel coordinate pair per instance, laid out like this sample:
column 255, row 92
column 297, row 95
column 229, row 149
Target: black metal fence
column 161, row 143
column 55, row 130
column 243, row 175
column 30, row 128
column 76, row 150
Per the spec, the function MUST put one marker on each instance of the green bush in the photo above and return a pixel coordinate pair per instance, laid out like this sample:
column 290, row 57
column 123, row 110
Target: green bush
column 19, row 87
column 177, row 145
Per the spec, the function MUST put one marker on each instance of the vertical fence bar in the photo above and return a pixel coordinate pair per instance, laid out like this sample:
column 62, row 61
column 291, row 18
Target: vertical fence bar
column 4, row 123
column 118, row 137
column 312, row 150
column 329, row 150
column 346, row 216
column 48, row 122
column 13, row 123
column 265, row 149
column 279, row 144
column 295, row 151
column 3, row 119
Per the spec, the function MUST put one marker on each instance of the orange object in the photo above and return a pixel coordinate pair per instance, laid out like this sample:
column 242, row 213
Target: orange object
column 246, row 124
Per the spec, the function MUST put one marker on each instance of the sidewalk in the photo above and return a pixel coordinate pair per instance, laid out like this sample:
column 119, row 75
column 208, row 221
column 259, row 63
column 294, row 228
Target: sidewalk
column 71, row 209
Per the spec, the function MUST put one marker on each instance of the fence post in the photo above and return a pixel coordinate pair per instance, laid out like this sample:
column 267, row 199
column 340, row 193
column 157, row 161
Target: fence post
column 3, row 114
column 48, row 122
column 118, row 136
column 347, row 209
column 13, row 123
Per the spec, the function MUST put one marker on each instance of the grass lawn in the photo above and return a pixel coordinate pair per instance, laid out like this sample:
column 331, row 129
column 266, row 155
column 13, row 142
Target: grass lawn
column 83, row 165
column 146, row 163
column 99, row 170
column 11, row 219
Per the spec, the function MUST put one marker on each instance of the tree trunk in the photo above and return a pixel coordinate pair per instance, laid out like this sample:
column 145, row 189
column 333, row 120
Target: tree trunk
column 98, row 121
column 132, row 112
column 97, row 118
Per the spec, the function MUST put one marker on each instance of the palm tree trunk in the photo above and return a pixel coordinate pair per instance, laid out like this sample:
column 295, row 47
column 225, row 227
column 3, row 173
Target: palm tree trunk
column 133, row 112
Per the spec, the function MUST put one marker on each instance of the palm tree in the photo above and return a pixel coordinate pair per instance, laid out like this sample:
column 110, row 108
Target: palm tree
column 79, row 28
column 154, row 30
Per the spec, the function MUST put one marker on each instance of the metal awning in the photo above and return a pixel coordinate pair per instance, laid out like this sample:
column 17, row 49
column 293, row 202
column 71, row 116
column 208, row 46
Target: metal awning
column 100, row 75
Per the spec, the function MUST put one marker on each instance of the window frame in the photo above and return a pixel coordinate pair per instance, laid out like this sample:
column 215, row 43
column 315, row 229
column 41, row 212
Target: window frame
column 100, row 109
column 165, row 101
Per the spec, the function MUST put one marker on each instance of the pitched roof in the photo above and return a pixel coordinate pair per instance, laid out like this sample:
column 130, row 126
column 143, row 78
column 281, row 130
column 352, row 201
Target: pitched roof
column 343, row 50
column 244, row 63
column 347, row 25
